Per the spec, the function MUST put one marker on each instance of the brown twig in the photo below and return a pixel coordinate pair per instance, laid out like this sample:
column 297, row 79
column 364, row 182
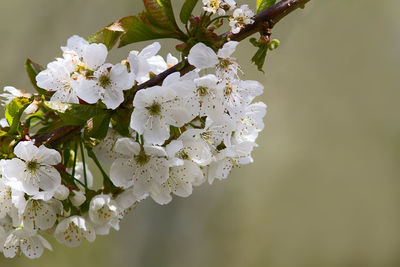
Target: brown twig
column 267, row 18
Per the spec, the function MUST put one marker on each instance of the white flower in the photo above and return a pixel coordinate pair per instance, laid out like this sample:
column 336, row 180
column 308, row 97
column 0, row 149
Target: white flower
column 238, row 94
column 182, row 176
column 195, row 147
column 203, row 57
column 29, row 243
column 147, row 62
column 251, row 124
column 5, row 200
column 77, row 198
column 228, row 158
column 61, row 192
column 107, row 84
column 32, row 171
column 241, row 16
column 12, row 201
column 104, row 213
column 65, row 74
column 41, row 215
column 212, row 136
column 91, row 56
column 218, row 6
column 210, row 96
column 146, row 168
column 57, row 77
column 159, row 107
column 72, row 230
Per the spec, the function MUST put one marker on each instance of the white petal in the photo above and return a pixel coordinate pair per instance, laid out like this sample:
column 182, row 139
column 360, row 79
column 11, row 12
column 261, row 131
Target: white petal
column 95, row 55
column 127, row 146
column 202, row 56
column 160, row 194
column 227, row 50
column 88, row 91
column 150, row 50
column 48, row 156
column 112, row 98
column 26, row 150
column 49, row 178
column 122, row 172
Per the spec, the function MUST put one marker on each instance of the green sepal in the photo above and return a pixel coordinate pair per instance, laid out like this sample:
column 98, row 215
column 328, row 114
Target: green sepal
column 187, row 9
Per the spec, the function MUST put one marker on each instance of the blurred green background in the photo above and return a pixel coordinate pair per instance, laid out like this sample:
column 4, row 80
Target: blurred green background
column 324, row 188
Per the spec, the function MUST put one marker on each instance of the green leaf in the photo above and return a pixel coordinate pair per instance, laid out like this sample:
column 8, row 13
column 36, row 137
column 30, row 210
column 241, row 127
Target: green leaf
column 105, row 36
column 120, row 121
column 140, row 29
column 33, row 70
column 14, row 111
column 97, row 127
column 264, row 4
column 187, row 9
column 74, row 114
column 161, row 13
column 263, row 47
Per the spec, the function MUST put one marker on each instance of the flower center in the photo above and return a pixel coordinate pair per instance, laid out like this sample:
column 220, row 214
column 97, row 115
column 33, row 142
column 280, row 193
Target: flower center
column 214, row 4
column 142, row 158
column 32, row 166
column 154, row 109
column 202, row 90
column 183, row 155
column 224, row 63
column 228, row 90
column 104, row 80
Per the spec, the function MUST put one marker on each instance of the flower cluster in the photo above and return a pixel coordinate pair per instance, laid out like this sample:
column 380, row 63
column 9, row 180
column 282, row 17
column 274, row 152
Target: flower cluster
column 191, row 129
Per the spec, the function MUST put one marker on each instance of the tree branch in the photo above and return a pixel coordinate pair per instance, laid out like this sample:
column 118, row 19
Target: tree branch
column 265, row 19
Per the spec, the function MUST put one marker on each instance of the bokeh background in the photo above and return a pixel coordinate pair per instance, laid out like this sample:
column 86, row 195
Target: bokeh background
column 324, row 189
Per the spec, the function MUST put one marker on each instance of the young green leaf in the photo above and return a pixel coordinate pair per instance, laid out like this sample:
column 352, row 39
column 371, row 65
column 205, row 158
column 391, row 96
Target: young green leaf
column 14, row 111
column 264, row 4
column 263, row 47
column 187, row 9
column 140, row 29
column 161, row 13
column 106, row 37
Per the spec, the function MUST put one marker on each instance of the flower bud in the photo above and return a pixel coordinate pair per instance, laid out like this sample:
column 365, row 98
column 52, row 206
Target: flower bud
column 77, row 198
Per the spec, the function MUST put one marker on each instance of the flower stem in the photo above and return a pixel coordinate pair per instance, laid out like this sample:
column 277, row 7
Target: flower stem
column 83, row 162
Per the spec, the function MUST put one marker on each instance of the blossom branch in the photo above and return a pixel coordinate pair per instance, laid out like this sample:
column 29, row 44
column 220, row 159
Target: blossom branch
column 265, row 19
